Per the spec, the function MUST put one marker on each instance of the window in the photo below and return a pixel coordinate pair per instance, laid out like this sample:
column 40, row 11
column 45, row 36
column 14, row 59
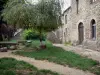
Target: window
column 77, row 4
column 66, row 31
column 64, row 35
column 65, row 19
column 93, row 29
column 92, row 1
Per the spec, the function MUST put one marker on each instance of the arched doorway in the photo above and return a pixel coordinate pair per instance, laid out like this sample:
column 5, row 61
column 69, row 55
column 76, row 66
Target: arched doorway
column 80, row 33
column 93, row 29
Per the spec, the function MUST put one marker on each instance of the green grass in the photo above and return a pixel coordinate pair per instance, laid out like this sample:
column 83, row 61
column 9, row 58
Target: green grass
column 36, row 44
column 60, row 56
column 10, row 66
column 68, row 43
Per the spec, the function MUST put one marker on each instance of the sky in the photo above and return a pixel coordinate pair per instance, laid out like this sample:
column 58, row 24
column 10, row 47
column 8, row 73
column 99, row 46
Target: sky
column 65, row 3
column 33, row 1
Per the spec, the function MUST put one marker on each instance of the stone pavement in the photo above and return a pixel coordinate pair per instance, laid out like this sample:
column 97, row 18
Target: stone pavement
column 95, row 55
column 62, row 70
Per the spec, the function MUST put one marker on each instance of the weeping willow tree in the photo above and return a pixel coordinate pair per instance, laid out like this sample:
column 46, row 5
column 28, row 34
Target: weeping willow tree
column 42, row 16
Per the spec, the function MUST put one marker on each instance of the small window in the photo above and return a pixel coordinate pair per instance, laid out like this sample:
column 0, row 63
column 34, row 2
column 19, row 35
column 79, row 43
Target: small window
column 92, row 1
column 65, row 19
column 93, row 29
column 64, row 35
column 77, row 5
column 66, row 31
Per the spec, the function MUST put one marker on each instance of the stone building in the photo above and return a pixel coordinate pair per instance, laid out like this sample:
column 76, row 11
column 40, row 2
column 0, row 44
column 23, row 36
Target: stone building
column 66, row 25
column 82, row 23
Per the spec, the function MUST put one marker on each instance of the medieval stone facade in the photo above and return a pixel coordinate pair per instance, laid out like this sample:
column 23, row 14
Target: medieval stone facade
column 82, row 23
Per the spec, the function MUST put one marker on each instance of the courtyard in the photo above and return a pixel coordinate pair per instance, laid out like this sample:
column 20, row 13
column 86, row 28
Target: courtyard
column 49, row 37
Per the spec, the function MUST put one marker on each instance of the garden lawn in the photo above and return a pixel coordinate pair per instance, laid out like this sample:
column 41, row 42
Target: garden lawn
column 37, row 43
column 10, row 66
column 60, row 56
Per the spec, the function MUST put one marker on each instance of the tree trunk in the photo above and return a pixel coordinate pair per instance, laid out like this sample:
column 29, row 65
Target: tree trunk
column 42, row 45
column 1, row 38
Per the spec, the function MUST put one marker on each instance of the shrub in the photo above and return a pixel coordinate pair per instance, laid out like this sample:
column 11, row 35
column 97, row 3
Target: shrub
column 68, row 43
column 32, row 35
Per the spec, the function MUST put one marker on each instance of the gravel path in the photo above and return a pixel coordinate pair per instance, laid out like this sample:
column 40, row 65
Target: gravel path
column 95, row 55
column 62, row 70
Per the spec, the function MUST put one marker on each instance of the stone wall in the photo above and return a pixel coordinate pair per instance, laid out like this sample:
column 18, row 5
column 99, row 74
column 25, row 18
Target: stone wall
column 55, row 36
column 86, row 12
column 67, row 26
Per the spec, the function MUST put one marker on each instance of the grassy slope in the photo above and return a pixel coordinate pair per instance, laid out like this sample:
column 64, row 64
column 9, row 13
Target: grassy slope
column 10, row 66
